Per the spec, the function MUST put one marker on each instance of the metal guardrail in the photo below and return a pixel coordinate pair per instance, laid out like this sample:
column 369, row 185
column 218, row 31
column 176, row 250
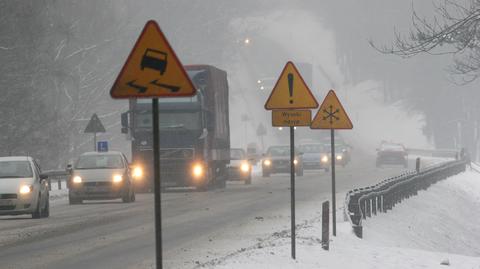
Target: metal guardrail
column 367, row 202
column 60, row 176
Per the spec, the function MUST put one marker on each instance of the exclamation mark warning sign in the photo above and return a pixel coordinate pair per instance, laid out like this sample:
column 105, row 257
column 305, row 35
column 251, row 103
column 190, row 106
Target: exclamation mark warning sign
column 290, row 91
column 290, row 86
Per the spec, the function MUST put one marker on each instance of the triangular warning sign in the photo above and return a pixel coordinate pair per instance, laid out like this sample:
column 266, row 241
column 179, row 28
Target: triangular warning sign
column 290, row 91
column 331, row 114
column 94, row 125
column 152, row 69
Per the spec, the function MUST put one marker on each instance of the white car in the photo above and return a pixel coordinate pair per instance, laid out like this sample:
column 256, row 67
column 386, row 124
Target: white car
column 23, row 189
column 99, row 176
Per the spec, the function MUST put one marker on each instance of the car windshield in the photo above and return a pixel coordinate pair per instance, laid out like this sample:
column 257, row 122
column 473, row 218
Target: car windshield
column 15, row 169
column 237, row 154
column 99, row 162
column 392, row 147
column 279, row 151
column 313, row 148
column 171, row 120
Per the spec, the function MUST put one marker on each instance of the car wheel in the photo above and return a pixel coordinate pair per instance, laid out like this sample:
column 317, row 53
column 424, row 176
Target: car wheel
column 38, row 211
column 248, row 181
column 127, row 197
column 132, row 199
column 46, row 210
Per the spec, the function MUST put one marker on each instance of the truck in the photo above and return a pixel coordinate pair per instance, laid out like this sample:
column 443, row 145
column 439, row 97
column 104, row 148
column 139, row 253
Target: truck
column 194, row 134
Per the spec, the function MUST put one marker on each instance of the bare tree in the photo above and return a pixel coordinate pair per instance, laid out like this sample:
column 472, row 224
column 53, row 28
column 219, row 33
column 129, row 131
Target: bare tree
column 455, row 29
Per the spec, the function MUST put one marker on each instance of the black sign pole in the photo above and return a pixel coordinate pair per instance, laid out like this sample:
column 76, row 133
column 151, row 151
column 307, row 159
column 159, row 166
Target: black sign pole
column 156, row 181
column 292, row 186
column 334, row 219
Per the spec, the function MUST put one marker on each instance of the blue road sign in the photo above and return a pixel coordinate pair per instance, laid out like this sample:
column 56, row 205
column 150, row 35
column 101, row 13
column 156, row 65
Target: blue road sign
column 102, row 146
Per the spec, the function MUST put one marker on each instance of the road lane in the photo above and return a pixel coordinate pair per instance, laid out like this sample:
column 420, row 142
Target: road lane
column 196, row 225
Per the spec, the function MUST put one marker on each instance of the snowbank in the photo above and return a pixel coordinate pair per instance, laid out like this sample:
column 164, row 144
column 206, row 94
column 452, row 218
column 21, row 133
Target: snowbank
column 437, row 226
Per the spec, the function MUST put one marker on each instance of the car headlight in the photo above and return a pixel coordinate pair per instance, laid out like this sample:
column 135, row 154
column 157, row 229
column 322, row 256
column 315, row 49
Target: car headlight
column 24, row 189
column 137, row 172
column 295, row 161
column 77, row 179
column 197, row 170
column 267, row 162
column 117, row 178
column 339, row 157
column 245, row 167
column 324, row 159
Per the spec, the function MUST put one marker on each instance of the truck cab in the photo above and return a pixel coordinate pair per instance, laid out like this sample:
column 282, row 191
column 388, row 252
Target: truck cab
column 194, row 133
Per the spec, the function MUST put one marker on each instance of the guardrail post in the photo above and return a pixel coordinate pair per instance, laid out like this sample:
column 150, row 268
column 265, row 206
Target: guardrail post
column 59, row 182
column 49, row 184
column 325, row 225
column 369, row 207
column 364, row 209
column 417, row 165
column 374, row 205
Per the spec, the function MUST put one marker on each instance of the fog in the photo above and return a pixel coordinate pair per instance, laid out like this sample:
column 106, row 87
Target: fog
column 70, row 52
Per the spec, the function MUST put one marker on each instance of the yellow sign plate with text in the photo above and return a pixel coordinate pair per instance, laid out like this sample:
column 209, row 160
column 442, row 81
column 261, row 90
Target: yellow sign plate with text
column 290, row 91
column 331, row 114
column 288, row 118
column 152, row 69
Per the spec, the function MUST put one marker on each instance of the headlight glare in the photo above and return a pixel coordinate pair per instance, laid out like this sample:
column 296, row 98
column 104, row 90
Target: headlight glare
column 245, row 167
column 117, row 178
column 77, row 179
column 324, row 159
column 24, row 189
column 137, row 172
column 267, row 162
column 339, row 157
column 197, row 170
column 295, row 161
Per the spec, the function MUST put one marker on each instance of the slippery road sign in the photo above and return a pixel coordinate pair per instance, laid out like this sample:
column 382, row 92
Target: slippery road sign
column 290, row 91
column 152, row 69
column 331, row 114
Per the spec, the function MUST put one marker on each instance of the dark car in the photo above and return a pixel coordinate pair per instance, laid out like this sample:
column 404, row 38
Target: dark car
column 342, row 154
column 277, row 160
column 154, row 59
column 239, row 168
column 392, row 154
column 315, row 156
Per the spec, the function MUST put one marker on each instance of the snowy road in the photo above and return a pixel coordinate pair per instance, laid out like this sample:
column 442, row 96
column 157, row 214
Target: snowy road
column 196, row 227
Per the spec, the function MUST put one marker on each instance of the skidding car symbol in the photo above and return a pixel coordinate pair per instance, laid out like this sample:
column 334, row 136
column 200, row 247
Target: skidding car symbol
column 154, row 59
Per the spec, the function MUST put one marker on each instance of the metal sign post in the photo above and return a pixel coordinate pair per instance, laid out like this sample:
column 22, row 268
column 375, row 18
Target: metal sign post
column 331, row 116
column 156, row 182
column 292, row 188
column 288, row 100
column 334, row 211
column 153, row 70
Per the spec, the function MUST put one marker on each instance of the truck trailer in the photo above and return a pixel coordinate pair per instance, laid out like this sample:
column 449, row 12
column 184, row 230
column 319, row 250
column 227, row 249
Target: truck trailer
column 194, row 134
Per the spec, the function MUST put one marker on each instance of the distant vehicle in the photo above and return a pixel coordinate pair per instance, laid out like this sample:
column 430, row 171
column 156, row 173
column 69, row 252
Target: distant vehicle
column 392, row 153
column 195, row 134
column 342, row 154
column 154, row 59
column 277, row 160
column 239, row 168
column 315, row 156
column 23, row 189
column 100, row 176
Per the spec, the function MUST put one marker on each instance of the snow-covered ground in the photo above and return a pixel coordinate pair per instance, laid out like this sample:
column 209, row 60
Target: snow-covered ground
column 438, row 226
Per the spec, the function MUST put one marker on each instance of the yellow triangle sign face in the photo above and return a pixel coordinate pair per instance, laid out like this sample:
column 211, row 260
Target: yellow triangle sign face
column 152, row 69
column 331, row 114
column 290, row 91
